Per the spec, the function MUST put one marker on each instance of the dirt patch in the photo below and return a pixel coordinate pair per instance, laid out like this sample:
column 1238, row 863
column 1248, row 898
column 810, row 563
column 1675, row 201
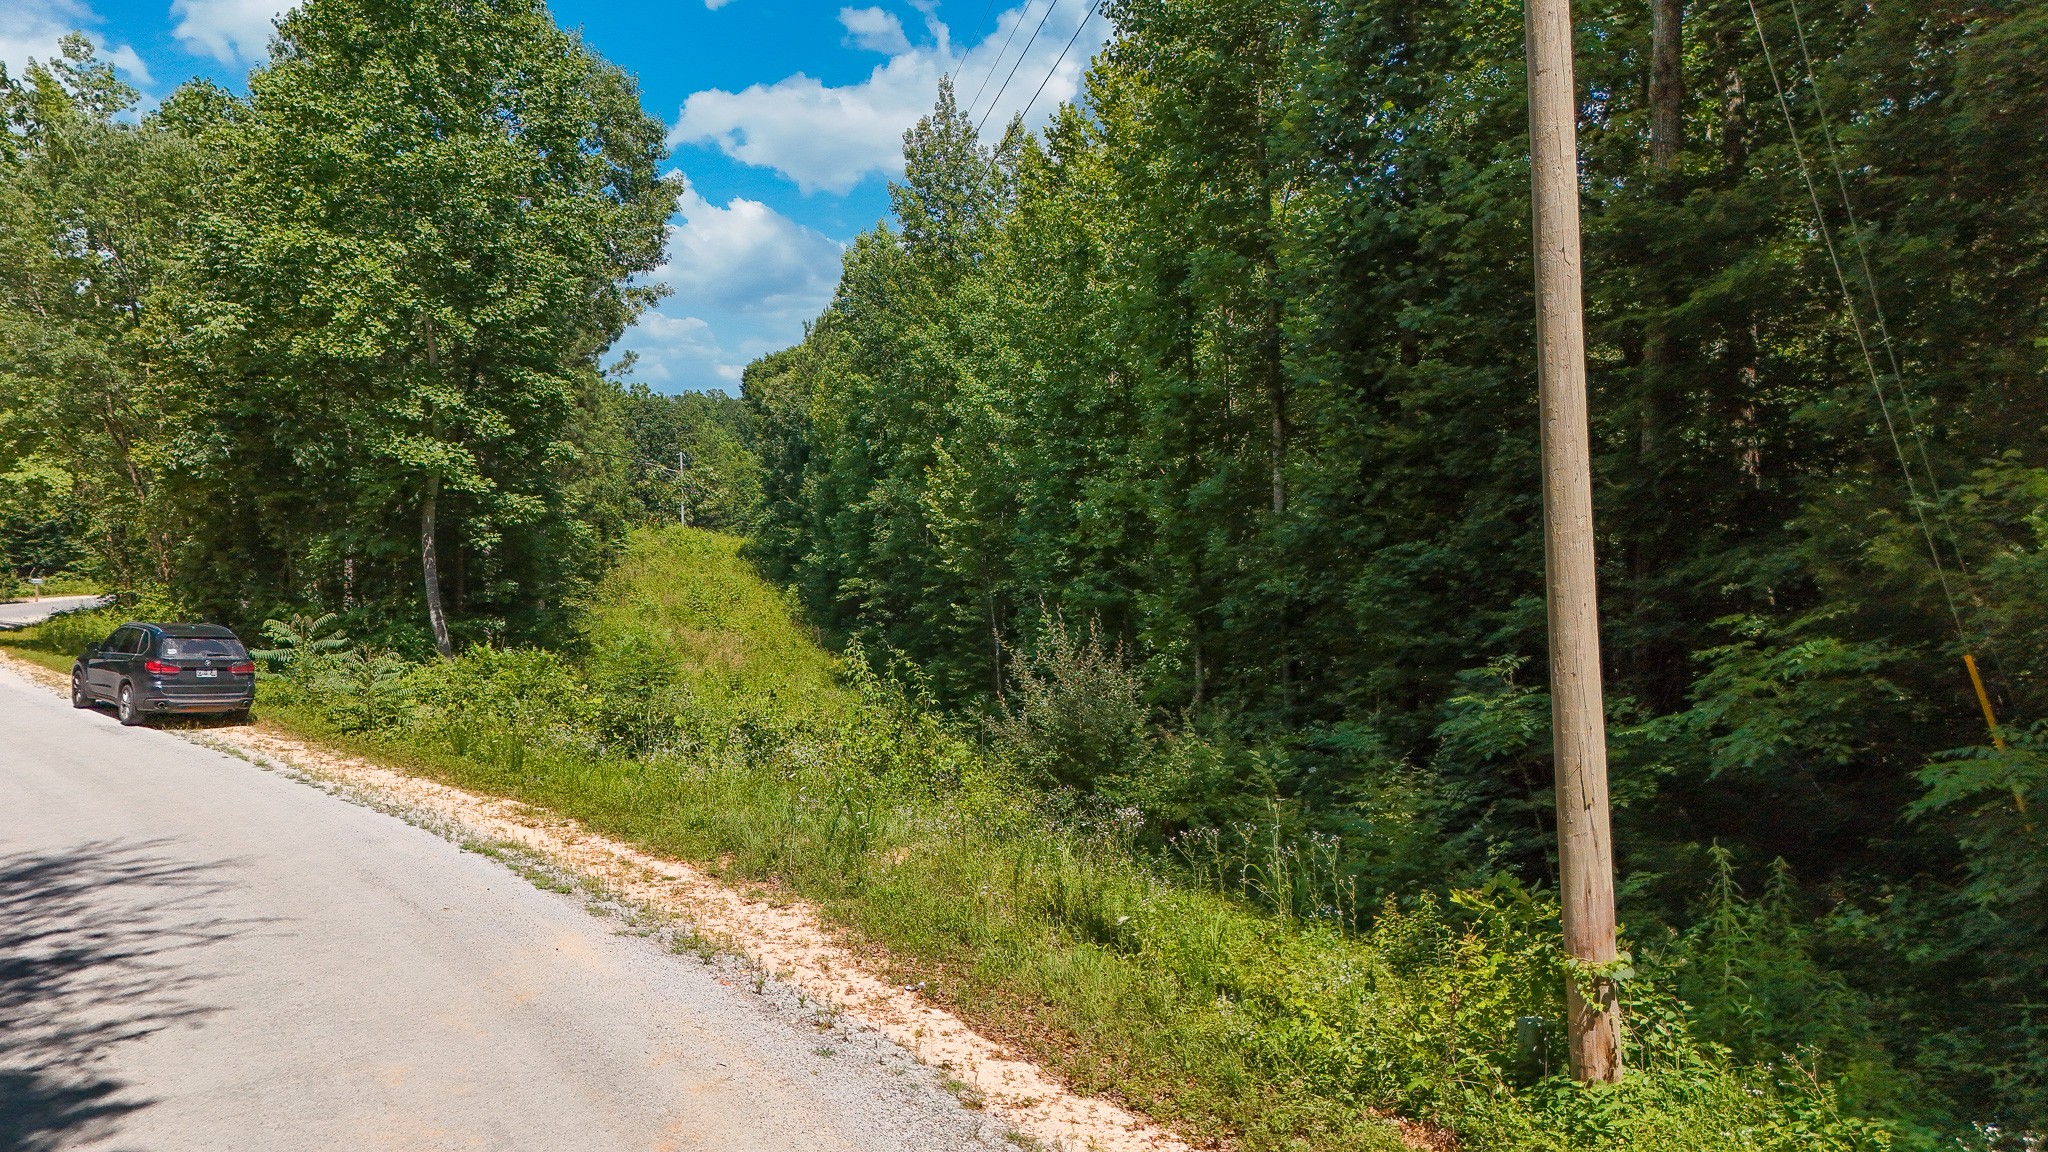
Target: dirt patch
column 783, row 937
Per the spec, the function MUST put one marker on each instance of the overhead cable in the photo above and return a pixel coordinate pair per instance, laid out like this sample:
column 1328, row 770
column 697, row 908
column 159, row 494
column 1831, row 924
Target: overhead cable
column 1856, row 322
column 990, row 110
column 1050, row 72
column 1884, row 335
column 1000, row 53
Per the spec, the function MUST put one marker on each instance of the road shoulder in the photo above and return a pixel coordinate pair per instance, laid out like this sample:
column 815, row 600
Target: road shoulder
column 782, row 939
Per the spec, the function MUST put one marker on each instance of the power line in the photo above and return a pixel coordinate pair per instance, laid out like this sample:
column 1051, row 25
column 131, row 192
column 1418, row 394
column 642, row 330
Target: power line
column 1856, row 322
column 2019, row 798
column 1061, row 58
column 990, row 110
column 1884, row 335
column 1000, row 53
column 985, row 10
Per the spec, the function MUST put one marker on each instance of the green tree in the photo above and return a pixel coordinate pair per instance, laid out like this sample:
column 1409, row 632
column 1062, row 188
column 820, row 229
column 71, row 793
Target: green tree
column 715, row 434
column 91, row 210
column 422, row 236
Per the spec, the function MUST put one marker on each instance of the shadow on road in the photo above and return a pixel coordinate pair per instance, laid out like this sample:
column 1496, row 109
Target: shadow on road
column 197, row 722
column 95, row 945
column 179, row 722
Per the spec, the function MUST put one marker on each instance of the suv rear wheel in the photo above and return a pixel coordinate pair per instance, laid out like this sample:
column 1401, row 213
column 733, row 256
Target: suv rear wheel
column 80, row 698
column 131, row 708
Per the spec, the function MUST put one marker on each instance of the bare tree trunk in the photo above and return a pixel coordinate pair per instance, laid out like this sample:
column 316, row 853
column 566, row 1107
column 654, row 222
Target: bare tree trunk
column 159, row 542
column 1667, row 85
column 1734, row 109
column 995, row 635
column 1276, row 405
column 1667, row 141
column 430, row 569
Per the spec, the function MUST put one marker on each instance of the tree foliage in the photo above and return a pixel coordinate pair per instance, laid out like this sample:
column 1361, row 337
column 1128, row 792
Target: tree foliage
column 1235, row 362
column 294, row 347
column 1186, row 446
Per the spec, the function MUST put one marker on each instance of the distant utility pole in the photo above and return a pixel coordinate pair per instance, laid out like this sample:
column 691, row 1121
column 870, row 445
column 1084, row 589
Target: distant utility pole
column 682, row 493
column 1585, row 845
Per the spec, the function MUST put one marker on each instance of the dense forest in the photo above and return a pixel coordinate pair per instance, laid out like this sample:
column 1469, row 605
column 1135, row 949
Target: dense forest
column 1234, row 365
column 1217, row 394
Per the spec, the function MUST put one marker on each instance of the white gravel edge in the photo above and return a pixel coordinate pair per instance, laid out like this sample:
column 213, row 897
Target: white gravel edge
column 778, row 945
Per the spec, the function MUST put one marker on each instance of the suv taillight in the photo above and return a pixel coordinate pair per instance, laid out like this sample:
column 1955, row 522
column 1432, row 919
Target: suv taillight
column 245, row 668
column 159, row 668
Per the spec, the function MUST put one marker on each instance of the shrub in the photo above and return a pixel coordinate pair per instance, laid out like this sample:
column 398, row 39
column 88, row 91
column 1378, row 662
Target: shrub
column 1074, row 712
column 305, row 648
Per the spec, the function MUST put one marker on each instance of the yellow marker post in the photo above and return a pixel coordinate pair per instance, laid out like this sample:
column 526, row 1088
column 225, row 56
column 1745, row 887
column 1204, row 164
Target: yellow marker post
column 2019, row 798
column 1984, row 698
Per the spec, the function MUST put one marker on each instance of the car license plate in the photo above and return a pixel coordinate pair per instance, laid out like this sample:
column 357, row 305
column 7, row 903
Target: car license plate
column 208, row 674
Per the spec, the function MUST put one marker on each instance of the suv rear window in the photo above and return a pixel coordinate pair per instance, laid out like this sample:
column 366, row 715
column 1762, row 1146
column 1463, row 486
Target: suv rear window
column 200, row 647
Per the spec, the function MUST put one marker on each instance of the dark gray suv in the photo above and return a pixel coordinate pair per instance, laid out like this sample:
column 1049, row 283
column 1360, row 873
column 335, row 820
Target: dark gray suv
column 144, row 669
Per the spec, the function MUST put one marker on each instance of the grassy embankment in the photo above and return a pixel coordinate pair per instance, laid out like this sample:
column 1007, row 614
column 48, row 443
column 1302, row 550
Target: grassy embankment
column 700, row 720
column 16, row 589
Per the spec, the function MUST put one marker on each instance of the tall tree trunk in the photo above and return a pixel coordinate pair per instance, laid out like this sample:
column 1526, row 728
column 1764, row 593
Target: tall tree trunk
column 1734, row 110
column 1276, row 404
column 995, row 636
column 1276, row 379
column 430, row 569
column 1667, row 141
column 1667, row 86
column 159, row 541
column 430, row 557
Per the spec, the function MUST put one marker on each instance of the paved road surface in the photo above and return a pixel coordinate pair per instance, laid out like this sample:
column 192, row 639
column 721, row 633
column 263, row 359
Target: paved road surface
column 35, row 611
column 199, row 954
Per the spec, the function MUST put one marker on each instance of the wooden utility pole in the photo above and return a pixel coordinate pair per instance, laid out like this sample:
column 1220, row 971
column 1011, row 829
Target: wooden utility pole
column 1584, row 841
column 682, row 493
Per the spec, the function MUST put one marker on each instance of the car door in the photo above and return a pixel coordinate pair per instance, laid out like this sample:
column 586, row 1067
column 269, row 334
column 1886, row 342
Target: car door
column 140, row 647
column 102, row 665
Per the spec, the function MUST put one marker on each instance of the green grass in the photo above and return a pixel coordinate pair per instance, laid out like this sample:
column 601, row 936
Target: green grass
column 707, row 726
column 16, row 589
column 682, row 608
column 54, row 661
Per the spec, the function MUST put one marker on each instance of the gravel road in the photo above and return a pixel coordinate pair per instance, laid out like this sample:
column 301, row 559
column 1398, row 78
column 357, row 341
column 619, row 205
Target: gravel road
column 196, row 953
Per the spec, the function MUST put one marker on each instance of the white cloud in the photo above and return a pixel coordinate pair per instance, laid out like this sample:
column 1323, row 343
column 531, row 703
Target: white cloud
column 124, row 58
column 227, row 30
column 830, row 138
column 681, row 354
column 32, row 28
column 820, row 137
column 675, row 350
column 748, row 258
column 745, row 279
column 875, row 29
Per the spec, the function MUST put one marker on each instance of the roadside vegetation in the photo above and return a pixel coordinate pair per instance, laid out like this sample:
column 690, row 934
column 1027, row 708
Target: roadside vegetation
column 1123, row 606
column 1229, row 984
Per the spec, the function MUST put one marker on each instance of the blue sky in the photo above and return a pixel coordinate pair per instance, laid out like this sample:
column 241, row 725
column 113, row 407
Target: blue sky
column 785, row 119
